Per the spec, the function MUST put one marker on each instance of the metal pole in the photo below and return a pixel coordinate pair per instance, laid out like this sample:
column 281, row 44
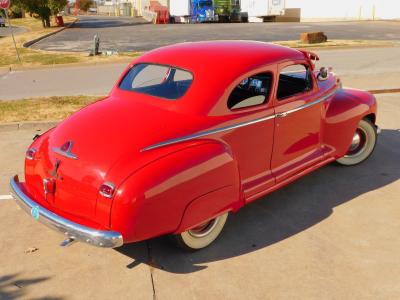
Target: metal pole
column 12, row 34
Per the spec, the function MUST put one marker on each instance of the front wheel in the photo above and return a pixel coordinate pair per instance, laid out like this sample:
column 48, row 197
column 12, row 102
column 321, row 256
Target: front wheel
column 362, row 145
column 202, row 235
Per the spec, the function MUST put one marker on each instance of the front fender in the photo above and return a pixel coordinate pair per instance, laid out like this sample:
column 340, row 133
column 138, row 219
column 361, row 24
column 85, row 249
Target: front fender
column 152, row 200
column 342, row 115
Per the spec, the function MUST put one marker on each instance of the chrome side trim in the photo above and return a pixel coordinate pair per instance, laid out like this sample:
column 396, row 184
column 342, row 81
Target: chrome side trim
column 226, row 128
column 71, row 230
column 64, row 153
column 323, row 98
column 208, row 132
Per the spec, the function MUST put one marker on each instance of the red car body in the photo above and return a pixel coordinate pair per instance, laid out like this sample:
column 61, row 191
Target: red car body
column 176, row 164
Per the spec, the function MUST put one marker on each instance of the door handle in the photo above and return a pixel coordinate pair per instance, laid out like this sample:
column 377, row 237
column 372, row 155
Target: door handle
column 281, row 115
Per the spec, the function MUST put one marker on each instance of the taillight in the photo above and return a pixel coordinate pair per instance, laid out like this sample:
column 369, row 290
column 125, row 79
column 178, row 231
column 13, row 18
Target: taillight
column 30, row 154
column 107, row 189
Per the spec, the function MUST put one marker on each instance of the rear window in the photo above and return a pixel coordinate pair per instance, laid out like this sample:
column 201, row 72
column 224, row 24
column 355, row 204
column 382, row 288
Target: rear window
column 157, row 80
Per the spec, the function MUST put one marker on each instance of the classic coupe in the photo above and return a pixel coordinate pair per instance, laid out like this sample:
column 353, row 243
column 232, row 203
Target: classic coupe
column 190, row 133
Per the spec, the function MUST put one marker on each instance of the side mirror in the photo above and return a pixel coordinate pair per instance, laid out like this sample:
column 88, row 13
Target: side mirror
column 323, row 74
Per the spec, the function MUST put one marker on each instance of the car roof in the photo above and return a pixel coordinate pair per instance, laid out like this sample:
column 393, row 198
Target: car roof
column 194, row 56
column 216, row 64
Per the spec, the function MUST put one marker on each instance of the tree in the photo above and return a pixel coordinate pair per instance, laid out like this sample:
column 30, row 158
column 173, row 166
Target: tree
column 85, row 4
column 43, row 9
column 57, row 5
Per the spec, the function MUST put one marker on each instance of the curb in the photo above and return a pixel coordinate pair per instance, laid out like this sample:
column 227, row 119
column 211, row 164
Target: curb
column 34, row 41
column 37, row 125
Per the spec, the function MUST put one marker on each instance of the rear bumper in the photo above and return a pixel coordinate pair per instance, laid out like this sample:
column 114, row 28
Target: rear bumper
column 99, row 238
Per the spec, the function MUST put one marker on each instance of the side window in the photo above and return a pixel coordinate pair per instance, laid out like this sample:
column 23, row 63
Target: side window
column 252, row 91
column 294, row 80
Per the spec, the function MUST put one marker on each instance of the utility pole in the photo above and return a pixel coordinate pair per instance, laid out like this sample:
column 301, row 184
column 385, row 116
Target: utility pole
column 5, row 4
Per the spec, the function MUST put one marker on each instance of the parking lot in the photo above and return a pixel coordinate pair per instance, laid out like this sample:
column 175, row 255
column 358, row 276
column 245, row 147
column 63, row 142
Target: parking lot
column 331, row 235
column 127, row 34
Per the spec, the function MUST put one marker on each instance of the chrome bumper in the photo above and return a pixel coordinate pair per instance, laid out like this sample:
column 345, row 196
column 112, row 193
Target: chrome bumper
column 74, row 231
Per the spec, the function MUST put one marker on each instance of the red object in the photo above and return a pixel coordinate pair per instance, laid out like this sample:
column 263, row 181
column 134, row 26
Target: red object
column 5, row 4
column 59, row 21
column 162, row 16
column 177, row 163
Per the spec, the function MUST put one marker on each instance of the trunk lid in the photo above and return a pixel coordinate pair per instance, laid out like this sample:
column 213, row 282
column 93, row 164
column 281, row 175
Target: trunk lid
column 100, row 134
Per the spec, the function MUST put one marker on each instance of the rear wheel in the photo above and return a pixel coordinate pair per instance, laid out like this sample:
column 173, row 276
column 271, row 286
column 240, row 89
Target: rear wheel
column 362, row 145
column 202, row 235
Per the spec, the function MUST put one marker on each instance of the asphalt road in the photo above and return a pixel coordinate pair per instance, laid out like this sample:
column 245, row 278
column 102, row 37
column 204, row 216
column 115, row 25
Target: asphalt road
column 330, row 235
column 132, row 34
column 374, row 68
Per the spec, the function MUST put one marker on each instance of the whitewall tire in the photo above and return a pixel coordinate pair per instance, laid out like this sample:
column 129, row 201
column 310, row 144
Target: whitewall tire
column 203, row 235
column 362, row 146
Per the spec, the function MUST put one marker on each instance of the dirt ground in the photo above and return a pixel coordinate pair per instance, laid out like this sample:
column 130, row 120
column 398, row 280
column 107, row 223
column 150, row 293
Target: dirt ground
column 331, row 235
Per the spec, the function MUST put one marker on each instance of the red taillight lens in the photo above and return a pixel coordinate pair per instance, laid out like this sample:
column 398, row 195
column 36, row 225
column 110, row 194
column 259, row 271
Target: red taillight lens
column 107, row 189
column 30, row 154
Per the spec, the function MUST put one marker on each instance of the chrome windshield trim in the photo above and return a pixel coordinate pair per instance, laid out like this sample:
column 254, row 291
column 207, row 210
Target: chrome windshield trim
column 226, row 128
column 72, row 230
column 64, row 153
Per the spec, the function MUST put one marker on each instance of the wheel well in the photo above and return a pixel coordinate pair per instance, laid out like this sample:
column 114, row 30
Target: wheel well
column 371, row 117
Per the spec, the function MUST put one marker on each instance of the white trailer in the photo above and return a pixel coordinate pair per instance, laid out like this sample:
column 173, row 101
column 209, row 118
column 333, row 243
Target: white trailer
column 262, row 8
column 180, row 10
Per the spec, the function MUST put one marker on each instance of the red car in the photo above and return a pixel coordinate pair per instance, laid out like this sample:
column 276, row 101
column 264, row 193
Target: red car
column 189, row 133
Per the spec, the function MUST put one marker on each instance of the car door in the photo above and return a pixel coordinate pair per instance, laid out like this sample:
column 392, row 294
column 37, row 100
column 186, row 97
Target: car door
column 297, row 143
column 250, row 105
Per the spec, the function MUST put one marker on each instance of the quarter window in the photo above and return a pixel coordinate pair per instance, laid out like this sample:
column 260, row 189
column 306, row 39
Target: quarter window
column 294, row 80
column 252, row 91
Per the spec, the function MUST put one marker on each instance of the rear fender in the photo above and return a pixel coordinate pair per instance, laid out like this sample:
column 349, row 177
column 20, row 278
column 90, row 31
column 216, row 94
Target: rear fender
column 152, row 201
column 343, row 113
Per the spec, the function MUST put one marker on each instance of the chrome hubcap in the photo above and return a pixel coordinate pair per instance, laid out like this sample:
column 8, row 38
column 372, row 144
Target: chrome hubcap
column 355, row 142
column 203, row 229
column 358, row 143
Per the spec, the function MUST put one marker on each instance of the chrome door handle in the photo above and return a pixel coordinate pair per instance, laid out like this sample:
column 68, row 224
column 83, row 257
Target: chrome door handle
column 281, row 115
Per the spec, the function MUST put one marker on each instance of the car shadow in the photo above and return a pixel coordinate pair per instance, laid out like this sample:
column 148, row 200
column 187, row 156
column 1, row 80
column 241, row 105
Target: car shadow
column 282, row 214
column 12, row 286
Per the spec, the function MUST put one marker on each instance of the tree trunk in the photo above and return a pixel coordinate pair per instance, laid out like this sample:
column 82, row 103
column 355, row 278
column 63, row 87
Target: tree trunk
column 47, row 21
column 43, row 23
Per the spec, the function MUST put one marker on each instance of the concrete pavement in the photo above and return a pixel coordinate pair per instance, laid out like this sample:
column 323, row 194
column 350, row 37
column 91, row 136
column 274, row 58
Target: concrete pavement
column 330, row 235
column 128, row 34
column 367, row 68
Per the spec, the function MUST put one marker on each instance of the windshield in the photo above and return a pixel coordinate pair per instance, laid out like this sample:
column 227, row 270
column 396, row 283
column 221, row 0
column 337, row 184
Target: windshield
column 205, row 3
column 157, row 80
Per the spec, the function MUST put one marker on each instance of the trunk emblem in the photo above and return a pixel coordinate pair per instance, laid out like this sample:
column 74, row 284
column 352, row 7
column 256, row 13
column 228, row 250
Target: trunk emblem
column 66, row 150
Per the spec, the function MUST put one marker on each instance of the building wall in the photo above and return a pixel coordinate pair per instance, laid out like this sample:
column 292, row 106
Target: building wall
column 347, row 9
column 140, row 5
